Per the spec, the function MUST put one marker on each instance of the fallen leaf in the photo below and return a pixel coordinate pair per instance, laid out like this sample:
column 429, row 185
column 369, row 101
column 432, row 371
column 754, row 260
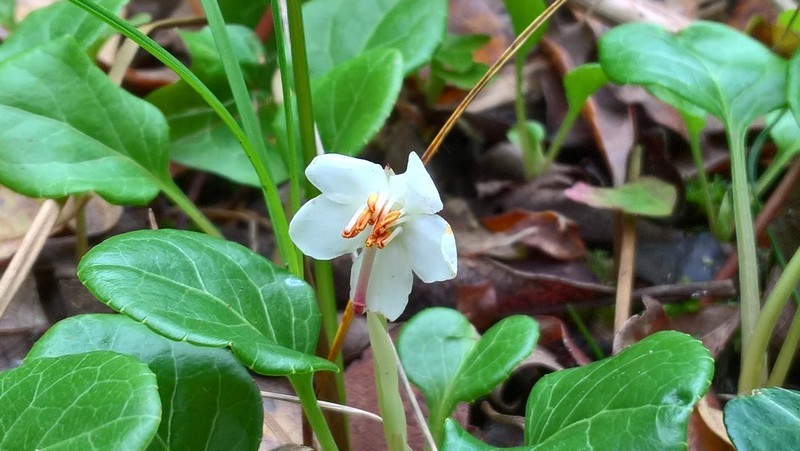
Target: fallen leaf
column 547, row 231
column 553, row 335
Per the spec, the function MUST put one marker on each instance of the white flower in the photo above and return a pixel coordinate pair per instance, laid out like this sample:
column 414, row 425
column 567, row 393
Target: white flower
column 392, row 218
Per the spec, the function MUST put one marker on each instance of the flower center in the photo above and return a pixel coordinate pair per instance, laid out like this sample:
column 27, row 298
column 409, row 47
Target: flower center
column 378, row 213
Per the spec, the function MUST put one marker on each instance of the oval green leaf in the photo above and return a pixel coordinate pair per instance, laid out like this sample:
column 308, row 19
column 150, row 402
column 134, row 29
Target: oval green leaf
column 339, row 30
column 711, row 65
column 57, row 20
column 647, row 196
column 97, row 400
column 209, row 400
column 767, row 419
column 352, row 101
column 210, row 292
column 65, row 128
column 639, row 399
column 445, row 357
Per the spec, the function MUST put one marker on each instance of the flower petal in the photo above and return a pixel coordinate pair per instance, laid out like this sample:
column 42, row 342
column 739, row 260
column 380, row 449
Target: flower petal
column 421, row 195
column 431, row 248
column 317, row 229
column 389, row 282
column 346, row 180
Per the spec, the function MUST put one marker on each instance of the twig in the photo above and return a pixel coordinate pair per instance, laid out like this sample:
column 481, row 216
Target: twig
column 325, row 405
column 627, row 250
column 510, row 52
column 28, row 252
column 423, row 425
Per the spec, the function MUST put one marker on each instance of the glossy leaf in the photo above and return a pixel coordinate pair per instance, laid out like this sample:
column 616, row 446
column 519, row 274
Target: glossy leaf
column 198, row 137
column 352, row 101
column 98, row 400
column 52, row 22
column 639, row 399
column 767, row 419
column 74, row 131
column 209, row 400
column 339, row 30
column 711, row 65
column 445, row 357
column 209, row 292
column 647, row 196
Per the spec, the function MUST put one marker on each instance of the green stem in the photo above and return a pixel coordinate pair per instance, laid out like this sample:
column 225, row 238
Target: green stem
column 749, row 297
column 171, row 190
column 386, row 381
column 258, row 157
column 304, row 387
column 590, row 341
column 755, row 350
column 326, row 298
column 702, row 177
column 285, row 65
column 302, row 82
column 787, row 353
column 533, row 162
column 561, row 134
column 789, row 347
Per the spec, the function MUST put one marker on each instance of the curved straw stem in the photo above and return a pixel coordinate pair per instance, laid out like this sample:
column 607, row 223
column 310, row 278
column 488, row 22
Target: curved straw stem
column 510, row 52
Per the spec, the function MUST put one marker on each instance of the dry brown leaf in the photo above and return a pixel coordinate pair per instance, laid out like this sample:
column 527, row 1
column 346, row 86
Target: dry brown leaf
column 650, row 321
column 553, row 335
column 547, row 231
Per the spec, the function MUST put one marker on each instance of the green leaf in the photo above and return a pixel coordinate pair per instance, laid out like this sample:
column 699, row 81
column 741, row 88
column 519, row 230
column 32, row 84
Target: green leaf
column 767, row 419
column 209, row 292
column 639, row 399
column 352, row 101
column 453, row 61
column 647, row 196
column 522, row 13
column 580, row 83
column 339, row 30
column 74, row 131
column 59, row 19
column 710, row 65
column 209, row 400
column 198, row 136
column 98, row 400
column 444, row 356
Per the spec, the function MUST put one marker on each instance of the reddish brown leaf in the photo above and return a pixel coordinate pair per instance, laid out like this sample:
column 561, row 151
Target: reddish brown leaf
column 650, row 321
column 714, row 325
column 706, row 429
column 547, row 231
column 554, row 336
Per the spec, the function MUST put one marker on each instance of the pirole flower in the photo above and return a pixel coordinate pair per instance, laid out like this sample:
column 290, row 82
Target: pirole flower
column 391, row 219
